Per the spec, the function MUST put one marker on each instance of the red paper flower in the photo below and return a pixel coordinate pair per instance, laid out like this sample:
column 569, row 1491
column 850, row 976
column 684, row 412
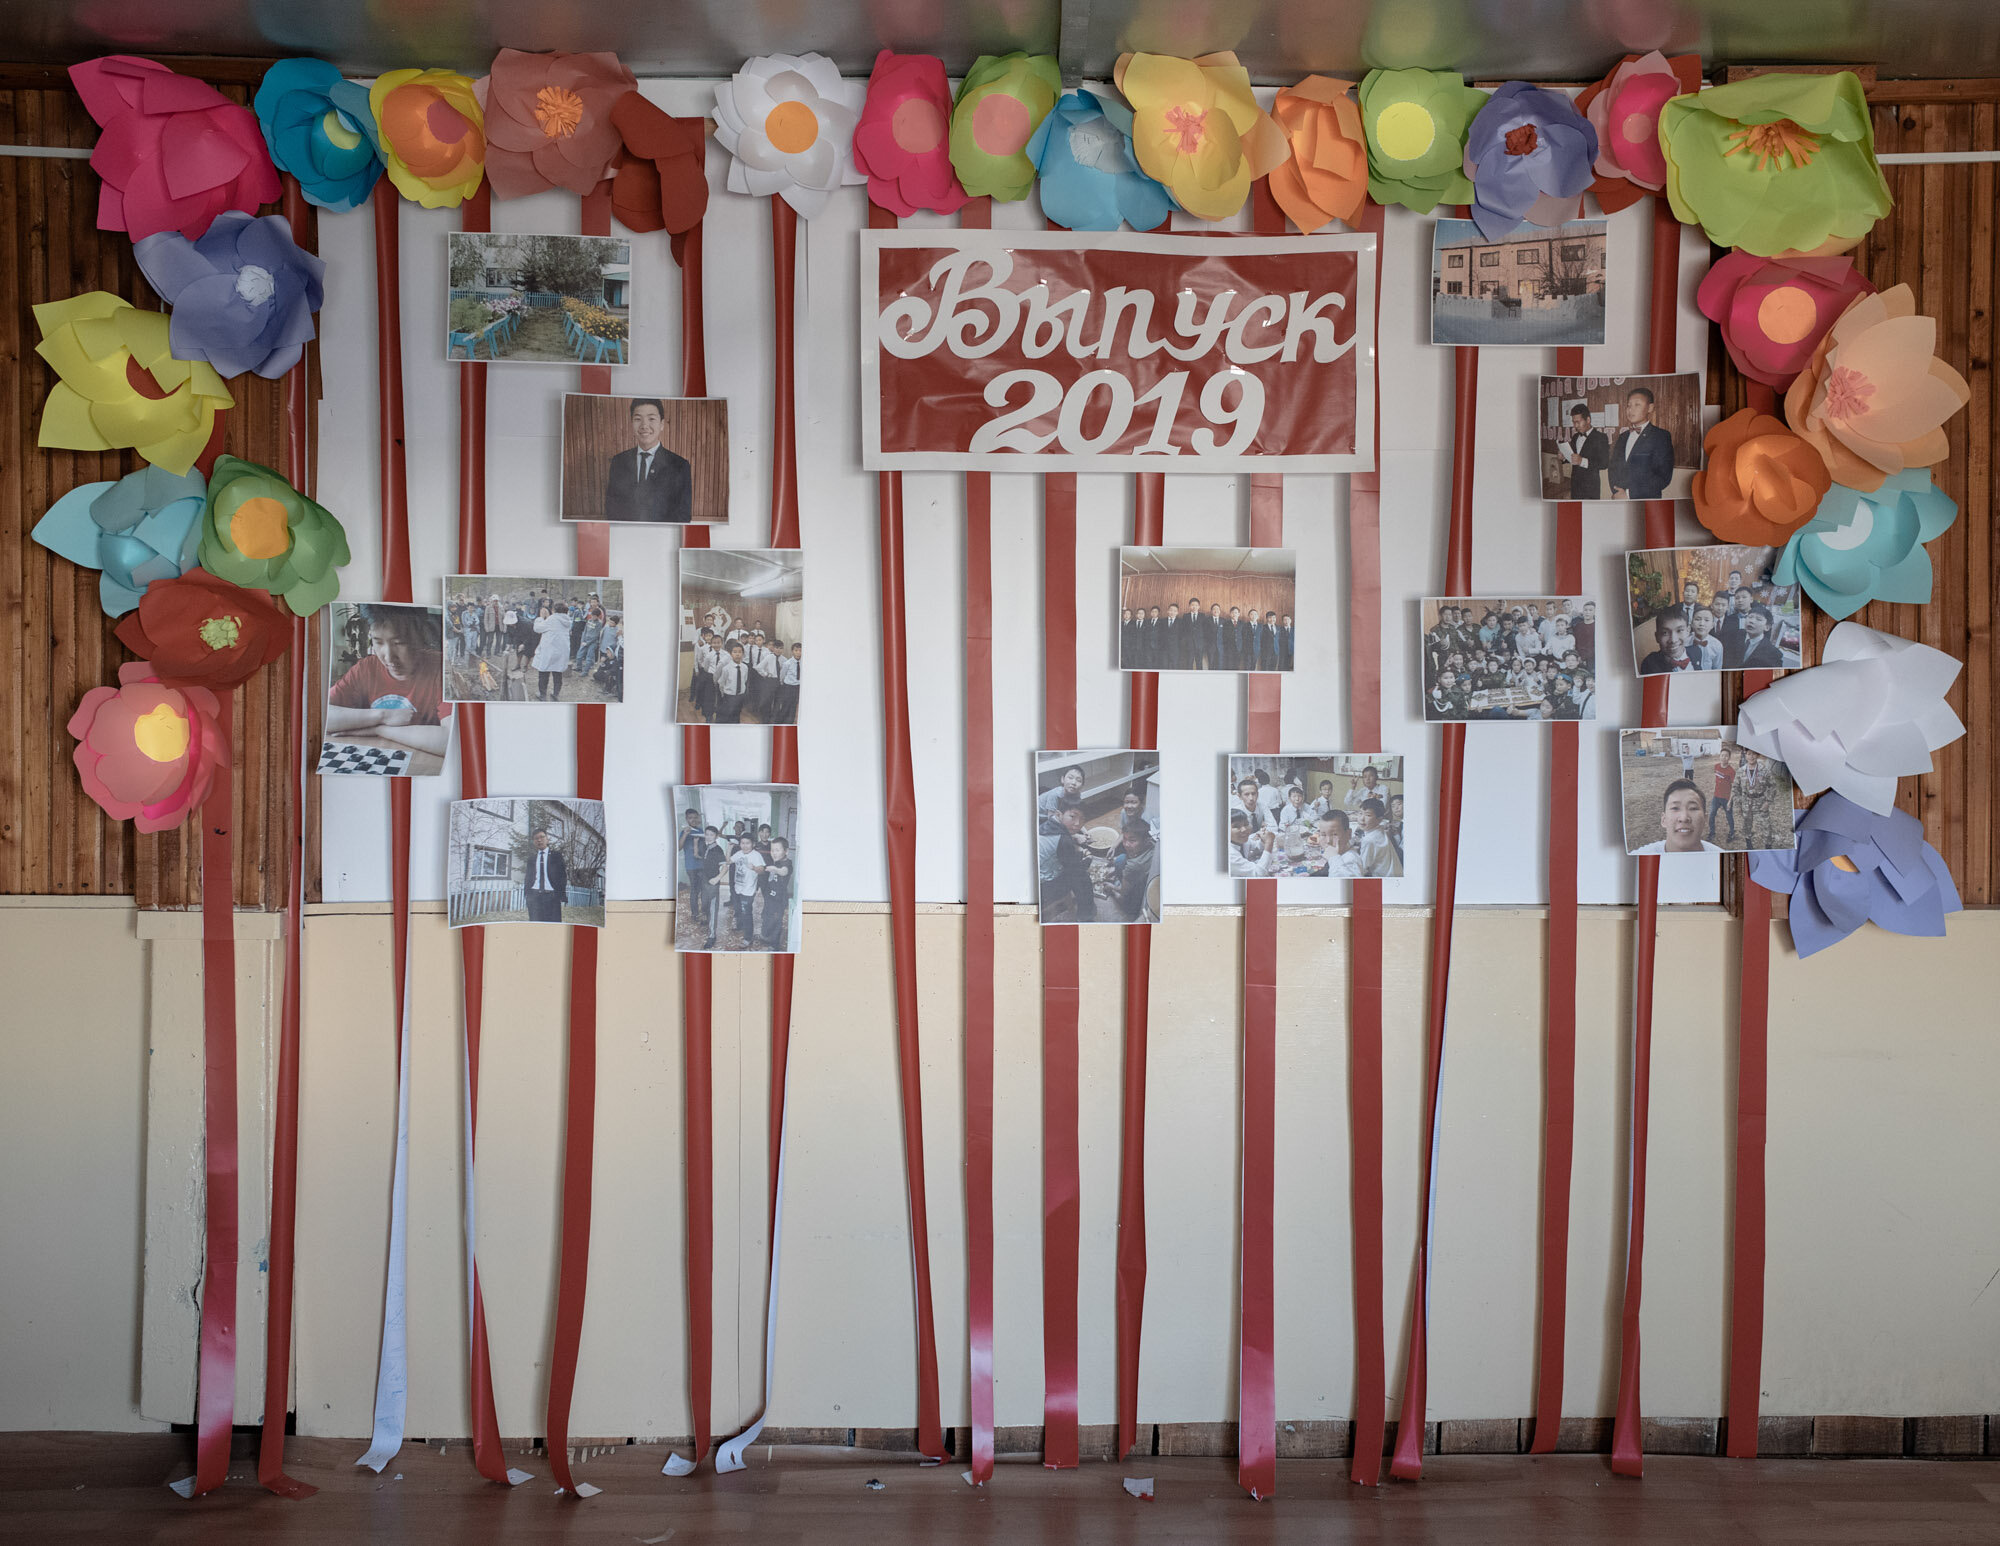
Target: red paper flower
column 661, row 181
column 549, row 120
column 903, row 141
column 1624, row 109
column 175, row 152
column 199, row 631
column 1774, row 311
column 147, row 752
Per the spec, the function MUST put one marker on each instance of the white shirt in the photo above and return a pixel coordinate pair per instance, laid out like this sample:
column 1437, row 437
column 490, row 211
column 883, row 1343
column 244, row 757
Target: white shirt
column 743, row 871
column 541, row 881
column 763, row 662
column 1270, row 801
column 788, row 671
column 1360, row 792
column 1661, row 847
column 1377, row 857
column 732, row 676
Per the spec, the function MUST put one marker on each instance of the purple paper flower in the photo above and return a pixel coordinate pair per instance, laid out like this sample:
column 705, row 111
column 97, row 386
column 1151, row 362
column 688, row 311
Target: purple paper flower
column 1854, row 867
column 1530, row 155
column 243, row 295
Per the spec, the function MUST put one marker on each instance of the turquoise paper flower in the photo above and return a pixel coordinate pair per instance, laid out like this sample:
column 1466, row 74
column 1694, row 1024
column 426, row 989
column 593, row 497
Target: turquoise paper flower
column 319, row 128
column 1862, row 547
column 1090, row 178
column 144, row 527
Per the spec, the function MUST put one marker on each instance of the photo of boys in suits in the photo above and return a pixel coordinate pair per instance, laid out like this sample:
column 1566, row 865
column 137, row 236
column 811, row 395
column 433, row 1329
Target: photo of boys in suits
column 1238, row 614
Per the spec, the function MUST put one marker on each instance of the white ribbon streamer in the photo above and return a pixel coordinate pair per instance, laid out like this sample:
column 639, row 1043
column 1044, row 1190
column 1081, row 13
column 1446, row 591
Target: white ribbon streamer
column 392, row 1374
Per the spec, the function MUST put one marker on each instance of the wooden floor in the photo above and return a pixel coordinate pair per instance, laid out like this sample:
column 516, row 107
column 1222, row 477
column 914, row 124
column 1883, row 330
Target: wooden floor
column 103, row 1488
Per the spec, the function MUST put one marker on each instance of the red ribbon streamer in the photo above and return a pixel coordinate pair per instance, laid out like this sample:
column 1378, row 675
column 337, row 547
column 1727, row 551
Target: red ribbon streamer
column 1626, row 1431
column 1559, row 1065
column 978, row 970
column 1408, row 1462
column 1149, row 505
column 784, row 738
column 1061, row 1180
column 593, row 557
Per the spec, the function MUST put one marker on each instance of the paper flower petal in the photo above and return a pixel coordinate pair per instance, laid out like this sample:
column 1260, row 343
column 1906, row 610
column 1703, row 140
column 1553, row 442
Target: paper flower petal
column 1326, row 175
column 243, row 297
column 431, row 134
column 1853, row 867
column 313, row 124
column 119, row 387
column 660, row 182
column 1527, row 145
column 902, row 142
column 201, row 631
column 1090, row 177
column 1001, row 102
column 1762, row 482
column 548, row 120
column 147, row 752
column 1773, row 312
column 1416, row 122
column 137, row 530
column 1868, row 546
column 261, row 533
column 1624, row 109
column 787, row 121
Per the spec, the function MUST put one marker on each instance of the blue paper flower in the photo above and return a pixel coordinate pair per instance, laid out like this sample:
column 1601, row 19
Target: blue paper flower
column 1854, row 867
column 1090, row 179
column 319, row 128
column 144, row 527
column 243, row 296
column 1530, row 155
column 1862, row 547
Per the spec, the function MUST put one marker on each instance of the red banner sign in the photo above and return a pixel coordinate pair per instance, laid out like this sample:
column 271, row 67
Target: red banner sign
column 1051, row 351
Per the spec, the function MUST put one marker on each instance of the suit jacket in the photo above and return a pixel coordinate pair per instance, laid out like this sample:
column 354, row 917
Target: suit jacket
column 1592, row 457
column 1644, row 472
column 1128, row 645
column 548, row 902
column 666, row 495
column 1267, row 646
column 1285, row 636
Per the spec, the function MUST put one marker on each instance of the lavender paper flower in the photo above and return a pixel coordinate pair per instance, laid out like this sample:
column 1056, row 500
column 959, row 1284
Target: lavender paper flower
column 1530, row 155
column 1853, row 867
column 243, row 296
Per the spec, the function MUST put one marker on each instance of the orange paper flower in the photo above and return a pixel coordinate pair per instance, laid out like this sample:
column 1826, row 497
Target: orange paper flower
column 1874, row 397
column 1762, row 482
column 1326, row 176
column 431, row 133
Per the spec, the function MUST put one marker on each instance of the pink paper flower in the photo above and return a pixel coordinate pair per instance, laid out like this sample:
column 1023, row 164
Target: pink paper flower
column 903, row 141
column 148, row 753
column 1774, row 311
column 175, row 152
column 548, row 120
column 1624, row 109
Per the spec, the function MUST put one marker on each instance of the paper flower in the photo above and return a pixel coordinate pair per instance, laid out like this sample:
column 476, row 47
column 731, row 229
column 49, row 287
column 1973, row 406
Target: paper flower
column 200, row 631
column 1326, row 175
column 1774, row 311
column 117, row 384
column 1873, row 397
column 315, row 124
column 1415, row 123
column 902, row 141
column 1624, row 109
column 1863, row 547
column 1762, row 482
column 147, row 752
column 1198, row 131
column 260, row 532
column 1779, row 165
column 1529, row 154
column 243, row 295
column 430, row 133
column 548, row 120
column 660, row 182
column 1001, row 102
column 1090, row 179
column 143, row 528
column 787, row 121
column 1871, row 711
column 175, row 152
column 1852, row 867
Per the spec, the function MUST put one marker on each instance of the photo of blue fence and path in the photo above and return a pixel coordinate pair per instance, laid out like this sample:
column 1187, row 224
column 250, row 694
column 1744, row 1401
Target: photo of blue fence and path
column 495, row 857
column 1535, row 287
column 552, row 299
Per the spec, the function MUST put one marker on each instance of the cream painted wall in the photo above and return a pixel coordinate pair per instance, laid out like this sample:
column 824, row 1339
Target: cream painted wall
column 1884, row 1223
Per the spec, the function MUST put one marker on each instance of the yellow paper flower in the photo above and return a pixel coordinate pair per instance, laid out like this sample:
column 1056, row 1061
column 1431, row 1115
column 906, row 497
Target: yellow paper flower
column 431, row 133
column 117, row 385
column 1197, row 129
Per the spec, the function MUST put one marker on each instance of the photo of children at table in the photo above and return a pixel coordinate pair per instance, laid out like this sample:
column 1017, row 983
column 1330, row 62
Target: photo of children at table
column 1326, row 816
column 741, row 652
column 1097, row 836
column 1508, row 658
column 1712, row 609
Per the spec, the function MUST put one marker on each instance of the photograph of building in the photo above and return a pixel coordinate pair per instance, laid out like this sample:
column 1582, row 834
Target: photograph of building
column 1539, row 287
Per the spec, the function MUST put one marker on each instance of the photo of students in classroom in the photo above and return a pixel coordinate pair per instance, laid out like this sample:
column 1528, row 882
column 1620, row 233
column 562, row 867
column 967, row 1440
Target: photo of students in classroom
column 1323, row 816
column 1508, row 658
column 1097, row 836
column 1207, row 609
column 742, row 614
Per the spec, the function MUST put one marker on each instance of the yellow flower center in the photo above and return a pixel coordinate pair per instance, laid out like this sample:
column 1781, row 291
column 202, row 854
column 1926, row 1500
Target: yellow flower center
column 1786, row 314
column 1186, row 126
column 791, row 127
column 161, row 734
column 220, row 633
column 1769, row 143
column 559, row 111
column 260, row 528
column 338, row 130
column 1404, row 131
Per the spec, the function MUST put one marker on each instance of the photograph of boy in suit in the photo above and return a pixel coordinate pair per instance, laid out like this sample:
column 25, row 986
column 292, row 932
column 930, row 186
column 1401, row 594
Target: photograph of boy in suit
column 645, row 461
column 1627, row 438
column 646, row 481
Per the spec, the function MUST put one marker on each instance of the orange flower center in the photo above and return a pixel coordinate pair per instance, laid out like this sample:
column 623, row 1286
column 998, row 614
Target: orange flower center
column 1842, row 862
column 559, row 111
column 1522, row 141
column 791, row 127
column 1186, row 127
column 1768, row 143
column 160, row 734
column 260, row 528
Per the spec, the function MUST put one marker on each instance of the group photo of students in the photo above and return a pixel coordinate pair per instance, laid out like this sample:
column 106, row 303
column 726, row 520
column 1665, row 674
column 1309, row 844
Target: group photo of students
column 1712, row 609
column 515, row 639
column 742, row 617
column 736, row 864
column 1097, row 837
column 1495, row 658
column 1206, row 609
column 1333, row 816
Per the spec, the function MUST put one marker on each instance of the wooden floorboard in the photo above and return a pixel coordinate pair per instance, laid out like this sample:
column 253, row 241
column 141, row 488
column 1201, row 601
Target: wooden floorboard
column 60, row 1489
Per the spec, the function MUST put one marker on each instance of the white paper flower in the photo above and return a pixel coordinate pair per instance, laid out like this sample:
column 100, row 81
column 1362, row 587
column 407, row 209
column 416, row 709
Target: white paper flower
column 1872, row 711
column 787, row 121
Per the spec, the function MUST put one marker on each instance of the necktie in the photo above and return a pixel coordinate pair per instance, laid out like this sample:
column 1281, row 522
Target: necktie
column 645, row 465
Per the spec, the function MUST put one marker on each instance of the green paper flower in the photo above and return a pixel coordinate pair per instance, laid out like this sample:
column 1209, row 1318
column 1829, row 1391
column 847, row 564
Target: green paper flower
column 1415, row 123
column 1001, row 103
column 261, row 533
column 1778, row 165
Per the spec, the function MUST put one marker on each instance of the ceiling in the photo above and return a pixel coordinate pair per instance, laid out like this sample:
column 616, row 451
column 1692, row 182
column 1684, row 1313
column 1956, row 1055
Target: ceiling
column 1279, row 40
